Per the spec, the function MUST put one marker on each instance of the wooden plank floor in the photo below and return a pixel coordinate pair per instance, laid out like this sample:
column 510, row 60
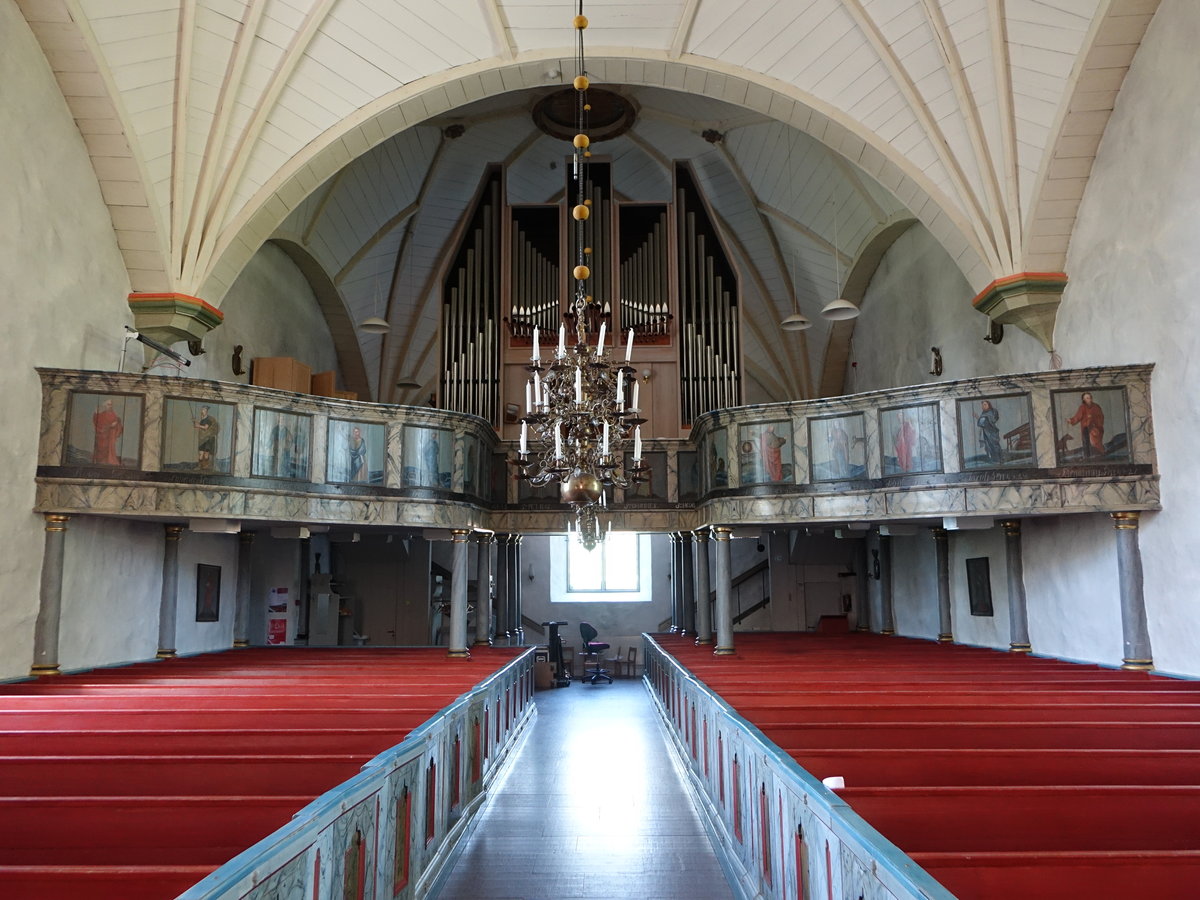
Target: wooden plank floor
column 592, row 807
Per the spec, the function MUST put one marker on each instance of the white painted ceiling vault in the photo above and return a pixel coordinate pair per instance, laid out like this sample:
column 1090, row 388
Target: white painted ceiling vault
column 217, row 125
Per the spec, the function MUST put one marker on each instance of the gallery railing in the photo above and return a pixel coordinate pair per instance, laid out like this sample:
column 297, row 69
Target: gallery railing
column 1043, row 443
column 780, row 832
column 394, row 825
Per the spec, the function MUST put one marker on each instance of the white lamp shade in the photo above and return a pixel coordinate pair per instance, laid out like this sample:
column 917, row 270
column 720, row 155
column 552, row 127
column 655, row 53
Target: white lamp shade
column 795, row 322
column 375, row 325
column 839, row 310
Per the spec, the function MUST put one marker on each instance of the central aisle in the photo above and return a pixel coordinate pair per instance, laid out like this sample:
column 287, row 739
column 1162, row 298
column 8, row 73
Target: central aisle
column 592, row 807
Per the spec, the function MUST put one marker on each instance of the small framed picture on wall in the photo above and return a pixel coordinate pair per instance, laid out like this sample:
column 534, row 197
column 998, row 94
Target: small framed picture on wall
column 208, row 593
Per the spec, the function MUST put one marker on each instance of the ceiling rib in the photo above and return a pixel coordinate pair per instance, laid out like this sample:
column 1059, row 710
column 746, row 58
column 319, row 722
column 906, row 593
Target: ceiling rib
column 967, row 108
column 1002, row 75
column 198, row 214
column 183, row 81
column 983, row 239
column 233, row 171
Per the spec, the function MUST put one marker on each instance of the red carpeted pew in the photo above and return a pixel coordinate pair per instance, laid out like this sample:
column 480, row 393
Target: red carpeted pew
column 136, row 782
column 1004, row 776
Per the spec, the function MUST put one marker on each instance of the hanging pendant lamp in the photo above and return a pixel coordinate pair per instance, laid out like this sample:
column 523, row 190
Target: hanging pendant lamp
column 841, row 309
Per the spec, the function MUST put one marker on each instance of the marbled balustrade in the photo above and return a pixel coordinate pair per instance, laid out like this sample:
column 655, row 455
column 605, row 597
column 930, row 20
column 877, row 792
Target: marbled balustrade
column 1043, row 481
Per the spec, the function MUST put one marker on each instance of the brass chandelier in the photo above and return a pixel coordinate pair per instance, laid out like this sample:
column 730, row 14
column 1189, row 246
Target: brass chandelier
column 577, row 423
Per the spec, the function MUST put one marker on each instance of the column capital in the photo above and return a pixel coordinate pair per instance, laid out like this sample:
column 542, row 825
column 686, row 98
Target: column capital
column 722, row 532
column 173, row 531
column 701, row 537
column 939, row 533
column 460, row 535
column 1126, row 520
column 56, row 521
column 1012, row 527
column 245, row 537
column 685, row 537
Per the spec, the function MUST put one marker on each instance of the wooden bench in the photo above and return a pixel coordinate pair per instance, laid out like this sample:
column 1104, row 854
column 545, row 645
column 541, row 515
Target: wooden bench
column 175, row 776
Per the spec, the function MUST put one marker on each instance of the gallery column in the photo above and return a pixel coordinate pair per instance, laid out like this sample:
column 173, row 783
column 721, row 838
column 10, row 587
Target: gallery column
column 687, row 578
column 941, row 547
column 881, row 568
column 1018, row 615
column 169, row 600
column 676, row 583
column 483, row 591
column 862, row 594
column 241, row 610
column 704, row 633
column 458, row 595
column 724, row 611
column 502, row 576
column 1134, row 630
column 49, row 617
column 516, row 626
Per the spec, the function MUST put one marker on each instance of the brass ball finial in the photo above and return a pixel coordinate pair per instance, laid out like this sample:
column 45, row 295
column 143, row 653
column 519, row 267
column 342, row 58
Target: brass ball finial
column 580, row 22
column 581, row 212
column 581, row 82
column 581, row 272
column 581, row 141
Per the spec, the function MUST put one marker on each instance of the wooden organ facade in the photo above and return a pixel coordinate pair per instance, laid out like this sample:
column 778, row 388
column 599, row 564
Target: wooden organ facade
column 658, row 268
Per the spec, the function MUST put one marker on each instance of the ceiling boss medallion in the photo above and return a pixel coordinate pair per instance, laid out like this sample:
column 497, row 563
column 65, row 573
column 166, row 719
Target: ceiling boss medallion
column 581, row 404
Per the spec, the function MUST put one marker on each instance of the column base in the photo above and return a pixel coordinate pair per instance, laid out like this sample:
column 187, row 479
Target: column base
column 724, row 651
column 1019, row 648
column 459, row 654
column 1137, row 665
column 165, row 654
column 482, row 644
column 863, row 628
column 241, row 644
column 703, row 641
column 887, row 632
column 944, row 638
column 44, row 669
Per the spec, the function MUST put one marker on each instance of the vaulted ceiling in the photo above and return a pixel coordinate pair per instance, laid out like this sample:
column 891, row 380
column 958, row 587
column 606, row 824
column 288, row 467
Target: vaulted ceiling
column 217, row 125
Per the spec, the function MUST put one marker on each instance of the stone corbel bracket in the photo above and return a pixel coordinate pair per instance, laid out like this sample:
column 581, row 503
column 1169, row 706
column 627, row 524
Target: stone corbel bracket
column 1028, row 300
column 171, row 318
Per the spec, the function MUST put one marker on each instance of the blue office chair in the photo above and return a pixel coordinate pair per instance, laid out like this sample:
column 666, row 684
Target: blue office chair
column 592, row 649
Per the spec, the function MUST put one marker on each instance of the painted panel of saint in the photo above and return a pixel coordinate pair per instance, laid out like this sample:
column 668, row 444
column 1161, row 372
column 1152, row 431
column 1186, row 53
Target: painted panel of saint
column 689, row 476
column 715, row 460
column 474, row 480
column 655, row 487
column 356, row 452
column 198, row 436
column 765, row 453
column 837, row 447
column 1090, row 426
column 995, row 432
column 910, row 440
column 281, row 444
column 427, row 457
column 104, row 430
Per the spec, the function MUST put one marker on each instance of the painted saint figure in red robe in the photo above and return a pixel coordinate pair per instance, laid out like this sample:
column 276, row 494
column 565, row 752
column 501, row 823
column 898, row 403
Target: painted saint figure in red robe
column 109, row 429
column 1090, row 419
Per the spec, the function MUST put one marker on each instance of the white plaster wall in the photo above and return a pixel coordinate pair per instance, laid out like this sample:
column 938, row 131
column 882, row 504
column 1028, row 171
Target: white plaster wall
column 914, row 586
column 275, row 563
column 64, row 287
column 982, row 631
column 919, row 299
column 1071, row 587
column 620, row 623
column 213, row 550
column 112, row 587
column 270, row 310
column 1134, row 265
